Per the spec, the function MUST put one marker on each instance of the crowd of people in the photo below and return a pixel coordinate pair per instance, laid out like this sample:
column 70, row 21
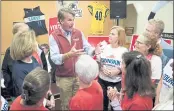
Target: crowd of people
column 118, row 79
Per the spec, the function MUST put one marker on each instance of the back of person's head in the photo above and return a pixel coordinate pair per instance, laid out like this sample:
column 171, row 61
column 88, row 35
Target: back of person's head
column 121, row 35
column 86, row 68
column 138, row 74
column 156, row 48
column 158, row 24
column 20, row 27
column 61, row 13
column 23, row 45
column 35, row 86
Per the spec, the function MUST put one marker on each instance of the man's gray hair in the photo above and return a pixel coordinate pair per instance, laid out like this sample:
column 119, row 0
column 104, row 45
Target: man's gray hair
column 61, row 12
column 159, row 25
column 86, row 68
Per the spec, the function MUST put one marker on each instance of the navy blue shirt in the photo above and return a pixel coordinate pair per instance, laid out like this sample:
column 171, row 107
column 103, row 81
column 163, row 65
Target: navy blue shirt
column 19, row 71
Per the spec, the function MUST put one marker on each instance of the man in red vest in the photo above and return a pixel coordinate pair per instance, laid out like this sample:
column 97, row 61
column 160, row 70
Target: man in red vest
column 66, row 44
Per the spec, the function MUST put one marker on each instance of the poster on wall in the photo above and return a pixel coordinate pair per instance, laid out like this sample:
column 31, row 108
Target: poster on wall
column 168, row 36
column 53, row 24
column 134, row 38
column 72, row 5
column 94, row 40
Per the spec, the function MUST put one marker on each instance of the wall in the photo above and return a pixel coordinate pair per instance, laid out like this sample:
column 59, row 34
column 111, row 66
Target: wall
column 144, row 8
column 131, row 20
column 12, row 11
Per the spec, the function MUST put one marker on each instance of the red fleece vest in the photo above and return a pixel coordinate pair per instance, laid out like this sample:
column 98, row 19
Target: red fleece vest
column 67, row 69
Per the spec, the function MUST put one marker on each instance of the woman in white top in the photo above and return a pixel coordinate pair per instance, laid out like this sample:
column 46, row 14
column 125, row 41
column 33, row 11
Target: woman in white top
column 164, row 92
column 110, row 61
column 152, row 50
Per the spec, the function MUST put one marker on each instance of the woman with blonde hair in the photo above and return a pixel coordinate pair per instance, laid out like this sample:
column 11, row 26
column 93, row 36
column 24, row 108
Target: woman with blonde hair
column 110, row 62
column 164, row 91
column 22, row 47
column 35, row 87
column 149, row 47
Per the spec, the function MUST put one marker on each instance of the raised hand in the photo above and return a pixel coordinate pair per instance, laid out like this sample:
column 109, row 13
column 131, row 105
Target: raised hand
column 98, row 49
column 74, row 52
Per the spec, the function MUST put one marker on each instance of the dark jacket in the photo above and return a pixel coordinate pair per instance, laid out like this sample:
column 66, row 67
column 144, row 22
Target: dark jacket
column 44, row 61
column 45, row 67
column 7, row 71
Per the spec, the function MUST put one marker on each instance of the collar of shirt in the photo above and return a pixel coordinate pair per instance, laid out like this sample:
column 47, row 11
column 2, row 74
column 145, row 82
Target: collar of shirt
column 66, row 33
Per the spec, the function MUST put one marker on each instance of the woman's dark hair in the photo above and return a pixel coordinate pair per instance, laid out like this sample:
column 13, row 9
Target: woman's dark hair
column 138, row 74
column 44, row 45
column 35, row 86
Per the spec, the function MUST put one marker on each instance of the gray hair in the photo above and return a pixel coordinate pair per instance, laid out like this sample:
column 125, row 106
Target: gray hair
column 86, row 68
column 159, row 25
column 61, row 12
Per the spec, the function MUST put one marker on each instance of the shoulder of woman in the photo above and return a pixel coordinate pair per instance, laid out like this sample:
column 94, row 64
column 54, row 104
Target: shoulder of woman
column 156, row 58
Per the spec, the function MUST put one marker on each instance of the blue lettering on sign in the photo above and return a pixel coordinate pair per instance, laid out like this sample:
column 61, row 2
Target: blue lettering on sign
column 110, row 61
column 5, row 107
column 168, row 79
column 34, row 18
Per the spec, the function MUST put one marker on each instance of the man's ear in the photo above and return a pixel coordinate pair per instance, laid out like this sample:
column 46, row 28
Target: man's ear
column 61, row 21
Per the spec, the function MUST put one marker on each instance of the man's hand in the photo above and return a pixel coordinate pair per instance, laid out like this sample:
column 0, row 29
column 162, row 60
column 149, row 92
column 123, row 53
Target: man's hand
column 50, row 102
column 74, row 52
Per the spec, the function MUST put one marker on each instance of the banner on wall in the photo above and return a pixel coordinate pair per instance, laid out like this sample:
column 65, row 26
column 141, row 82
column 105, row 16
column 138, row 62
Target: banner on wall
column 53, row 24
column 167, row 36
column 74, row 7
column 134, row 38
column 94, row 40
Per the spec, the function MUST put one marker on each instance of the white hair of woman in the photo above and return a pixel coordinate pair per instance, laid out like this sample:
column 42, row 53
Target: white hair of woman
column 86, row 68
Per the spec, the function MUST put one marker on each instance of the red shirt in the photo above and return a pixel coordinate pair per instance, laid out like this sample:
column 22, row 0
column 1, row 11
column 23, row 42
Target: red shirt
column 17, row 106
column 90, row 98
column 137, row 103
column 37, row 57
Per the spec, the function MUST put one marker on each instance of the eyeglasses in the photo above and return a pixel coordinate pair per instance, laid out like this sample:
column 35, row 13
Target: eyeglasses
column 137, row 42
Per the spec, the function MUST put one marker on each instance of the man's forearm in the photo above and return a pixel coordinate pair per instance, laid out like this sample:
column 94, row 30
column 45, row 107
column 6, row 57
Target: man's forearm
column 66, row 56
column 158, row 91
